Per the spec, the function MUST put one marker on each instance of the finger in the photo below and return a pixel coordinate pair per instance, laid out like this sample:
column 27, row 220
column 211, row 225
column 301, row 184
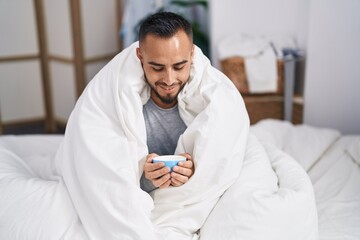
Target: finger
column 150, row 157
column 175, row 182
column 179, row 177
column 166, row 184
column 187, row 155
column 160, row 181
column 157, row 174
column 186, row 164
column 150, row 167
column 183, row 171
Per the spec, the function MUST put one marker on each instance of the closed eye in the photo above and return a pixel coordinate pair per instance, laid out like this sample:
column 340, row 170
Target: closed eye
column 178, row 68
column 158, row 69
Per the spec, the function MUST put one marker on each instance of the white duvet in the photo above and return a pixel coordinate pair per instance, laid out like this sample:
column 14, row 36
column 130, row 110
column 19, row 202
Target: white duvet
column 90, row 189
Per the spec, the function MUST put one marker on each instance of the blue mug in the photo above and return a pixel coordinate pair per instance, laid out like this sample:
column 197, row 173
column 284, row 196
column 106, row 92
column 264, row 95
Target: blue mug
column 169, row 160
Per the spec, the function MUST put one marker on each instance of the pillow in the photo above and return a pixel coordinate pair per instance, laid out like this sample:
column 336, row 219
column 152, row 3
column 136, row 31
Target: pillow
column 304, row 143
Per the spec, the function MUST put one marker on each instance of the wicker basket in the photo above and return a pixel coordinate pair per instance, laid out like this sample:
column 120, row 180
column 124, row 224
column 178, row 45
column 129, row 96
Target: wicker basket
column 261, row 107
column 270, row 106
column 234, row 68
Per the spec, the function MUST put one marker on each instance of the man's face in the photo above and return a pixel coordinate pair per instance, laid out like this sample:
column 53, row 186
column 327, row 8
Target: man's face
column 166, row 64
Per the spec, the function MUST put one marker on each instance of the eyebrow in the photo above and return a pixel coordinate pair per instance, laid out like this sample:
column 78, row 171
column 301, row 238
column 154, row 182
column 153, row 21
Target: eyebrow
column 162, row 65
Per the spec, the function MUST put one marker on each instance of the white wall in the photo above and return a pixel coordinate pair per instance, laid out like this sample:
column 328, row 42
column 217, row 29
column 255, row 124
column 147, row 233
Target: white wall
column 332, row 87
column 328, row 31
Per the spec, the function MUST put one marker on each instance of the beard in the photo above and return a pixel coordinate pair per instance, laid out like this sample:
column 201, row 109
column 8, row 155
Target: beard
column 168, row 98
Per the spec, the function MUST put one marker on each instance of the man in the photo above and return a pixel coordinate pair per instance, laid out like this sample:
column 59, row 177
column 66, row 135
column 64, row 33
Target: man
column 166, row 53
column 114, row 132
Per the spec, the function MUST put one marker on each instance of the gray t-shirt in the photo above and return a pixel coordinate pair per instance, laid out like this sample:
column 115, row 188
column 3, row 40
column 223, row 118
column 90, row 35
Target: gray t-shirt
column 163, row 129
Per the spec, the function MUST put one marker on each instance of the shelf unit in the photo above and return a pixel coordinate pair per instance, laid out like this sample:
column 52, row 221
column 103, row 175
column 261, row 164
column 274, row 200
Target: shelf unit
column 285, row 103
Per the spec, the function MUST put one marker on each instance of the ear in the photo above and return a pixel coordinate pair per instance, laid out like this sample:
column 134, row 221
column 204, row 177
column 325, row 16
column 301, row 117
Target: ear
column 138, row 54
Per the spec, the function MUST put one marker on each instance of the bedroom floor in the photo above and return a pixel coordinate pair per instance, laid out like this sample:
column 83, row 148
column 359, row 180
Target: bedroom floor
column 37, row 128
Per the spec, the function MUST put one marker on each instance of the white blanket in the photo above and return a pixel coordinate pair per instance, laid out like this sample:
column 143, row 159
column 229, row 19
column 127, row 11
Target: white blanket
column 91, row 190
column 102, row 156
column 263, row 204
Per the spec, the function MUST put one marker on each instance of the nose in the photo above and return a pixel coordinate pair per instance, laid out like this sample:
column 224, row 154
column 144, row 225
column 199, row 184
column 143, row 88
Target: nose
column 169, row 77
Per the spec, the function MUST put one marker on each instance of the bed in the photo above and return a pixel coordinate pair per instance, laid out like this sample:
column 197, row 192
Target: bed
column 330, row 159
column 332, row 162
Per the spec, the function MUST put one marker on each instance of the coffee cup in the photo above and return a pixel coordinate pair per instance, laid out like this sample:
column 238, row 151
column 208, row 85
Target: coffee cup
column 169, row 160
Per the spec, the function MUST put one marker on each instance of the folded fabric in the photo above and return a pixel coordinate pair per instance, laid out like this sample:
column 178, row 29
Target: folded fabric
column 261, row 72
column 260, row 60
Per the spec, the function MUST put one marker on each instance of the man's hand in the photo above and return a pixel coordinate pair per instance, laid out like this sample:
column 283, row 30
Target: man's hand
column 182, row 173
column 156, row 173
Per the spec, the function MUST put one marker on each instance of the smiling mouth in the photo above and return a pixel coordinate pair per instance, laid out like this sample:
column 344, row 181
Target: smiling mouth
column 167, row 87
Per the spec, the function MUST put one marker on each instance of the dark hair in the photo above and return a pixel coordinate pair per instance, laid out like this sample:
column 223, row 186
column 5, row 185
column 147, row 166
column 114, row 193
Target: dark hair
column 164, row 25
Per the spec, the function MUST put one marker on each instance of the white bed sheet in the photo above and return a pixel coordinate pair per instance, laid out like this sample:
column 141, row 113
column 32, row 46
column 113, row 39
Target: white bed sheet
column 336, row 181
